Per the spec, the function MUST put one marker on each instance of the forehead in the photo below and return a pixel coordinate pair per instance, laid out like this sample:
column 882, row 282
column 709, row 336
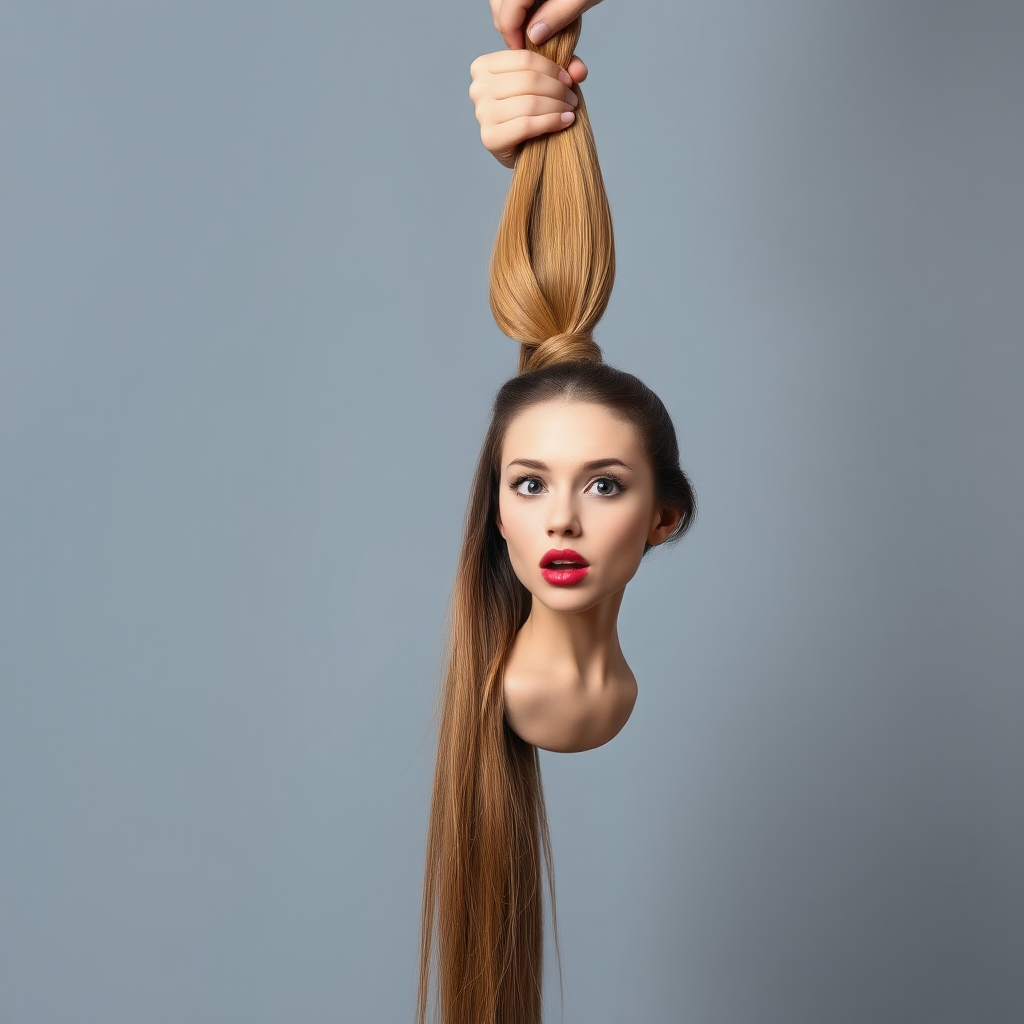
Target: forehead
column 564, row 431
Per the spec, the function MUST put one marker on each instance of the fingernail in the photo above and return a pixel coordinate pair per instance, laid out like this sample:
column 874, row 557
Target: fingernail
column 572, row 99
column 568, row 117
column 564, row 77
column 539, row 32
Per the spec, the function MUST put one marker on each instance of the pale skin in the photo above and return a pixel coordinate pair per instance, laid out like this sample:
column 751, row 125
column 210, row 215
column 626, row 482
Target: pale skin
column 567, row 685
column 510, row 18
column 518, row 94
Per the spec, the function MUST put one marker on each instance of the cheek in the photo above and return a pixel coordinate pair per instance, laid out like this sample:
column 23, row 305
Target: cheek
column 511, row 522
column 625, row 537
column 519, row 539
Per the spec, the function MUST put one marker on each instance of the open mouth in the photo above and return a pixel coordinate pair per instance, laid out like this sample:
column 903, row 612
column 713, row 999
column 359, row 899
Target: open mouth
column 563, row 560
column 563, row 568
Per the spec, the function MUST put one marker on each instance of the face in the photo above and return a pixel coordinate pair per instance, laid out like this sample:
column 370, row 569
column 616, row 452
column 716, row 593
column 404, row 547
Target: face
column 576, row 487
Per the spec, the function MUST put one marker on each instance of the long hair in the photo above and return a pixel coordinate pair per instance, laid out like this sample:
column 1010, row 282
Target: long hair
column 553, row 263
column 488, row 843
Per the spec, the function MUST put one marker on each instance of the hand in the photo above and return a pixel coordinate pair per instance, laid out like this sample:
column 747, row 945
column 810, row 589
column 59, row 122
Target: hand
column 548, row 19
column 519, row 95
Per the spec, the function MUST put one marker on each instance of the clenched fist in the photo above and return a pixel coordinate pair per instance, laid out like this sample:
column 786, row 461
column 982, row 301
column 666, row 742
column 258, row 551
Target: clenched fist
column 518, row 95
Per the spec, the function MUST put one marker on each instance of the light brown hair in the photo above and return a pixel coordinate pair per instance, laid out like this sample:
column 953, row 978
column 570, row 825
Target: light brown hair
column 551, row 277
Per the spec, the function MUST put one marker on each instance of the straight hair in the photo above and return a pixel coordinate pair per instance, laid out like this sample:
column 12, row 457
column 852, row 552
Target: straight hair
column 488, row 843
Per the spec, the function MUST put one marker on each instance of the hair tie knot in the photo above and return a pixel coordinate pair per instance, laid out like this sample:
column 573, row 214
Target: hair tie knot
column 562, row 348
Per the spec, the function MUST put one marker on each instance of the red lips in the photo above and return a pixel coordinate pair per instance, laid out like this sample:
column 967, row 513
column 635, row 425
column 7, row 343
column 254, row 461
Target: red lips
column 565, row 555
column 563, row 575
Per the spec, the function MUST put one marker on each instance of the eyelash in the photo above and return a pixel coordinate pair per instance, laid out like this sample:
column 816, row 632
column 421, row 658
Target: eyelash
column 515, row 485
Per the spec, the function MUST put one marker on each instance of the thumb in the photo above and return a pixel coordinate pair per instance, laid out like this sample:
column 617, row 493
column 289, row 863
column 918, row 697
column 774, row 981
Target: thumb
column 553, row 16
column 578, row 71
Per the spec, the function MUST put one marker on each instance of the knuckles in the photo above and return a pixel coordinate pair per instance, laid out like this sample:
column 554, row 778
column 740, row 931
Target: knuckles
column 489, row 138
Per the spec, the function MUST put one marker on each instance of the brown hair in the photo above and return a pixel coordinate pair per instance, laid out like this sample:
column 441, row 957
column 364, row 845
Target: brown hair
column 551, row 278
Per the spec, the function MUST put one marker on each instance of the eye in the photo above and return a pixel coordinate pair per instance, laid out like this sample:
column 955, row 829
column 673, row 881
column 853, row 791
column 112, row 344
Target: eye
column 608, row 486
column 527, row 486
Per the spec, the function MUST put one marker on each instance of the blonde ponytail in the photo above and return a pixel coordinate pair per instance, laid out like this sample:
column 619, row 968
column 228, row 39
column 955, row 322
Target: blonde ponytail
column 553, row 263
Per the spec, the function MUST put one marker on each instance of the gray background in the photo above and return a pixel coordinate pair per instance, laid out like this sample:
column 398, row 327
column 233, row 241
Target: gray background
column 245, row 365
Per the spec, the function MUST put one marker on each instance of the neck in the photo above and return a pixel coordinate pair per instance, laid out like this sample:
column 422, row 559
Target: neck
column 567, row 686
column 584, row 645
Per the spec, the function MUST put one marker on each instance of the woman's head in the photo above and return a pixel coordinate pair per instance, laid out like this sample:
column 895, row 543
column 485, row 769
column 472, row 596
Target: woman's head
column 577, row 387
column 577, row 503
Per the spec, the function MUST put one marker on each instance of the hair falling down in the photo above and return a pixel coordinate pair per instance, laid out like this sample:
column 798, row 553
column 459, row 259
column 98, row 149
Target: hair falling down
column 487, row 844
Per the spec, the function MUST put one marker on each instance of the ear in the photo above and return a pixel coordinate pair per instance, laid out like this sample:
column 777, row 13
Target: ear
column 665, row 521
column 497, row 522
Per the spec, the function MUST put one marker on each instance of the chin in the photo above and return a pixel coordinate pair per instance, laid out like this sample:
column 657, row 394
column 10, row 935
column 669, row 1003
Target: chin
column 566, row 602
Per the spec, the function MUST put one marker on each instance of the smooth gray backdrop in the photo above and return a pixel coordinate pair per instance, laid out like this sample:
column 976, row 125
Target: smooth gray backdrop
column 246, row 360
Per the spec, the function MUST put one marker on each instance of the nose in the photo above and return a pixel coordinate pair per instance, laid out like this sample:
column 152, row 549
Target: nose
column 563, row 517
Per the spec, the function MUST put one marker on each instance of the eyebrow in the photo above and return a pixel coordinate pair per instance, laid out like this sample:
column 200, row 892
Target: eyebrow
column 594, row 464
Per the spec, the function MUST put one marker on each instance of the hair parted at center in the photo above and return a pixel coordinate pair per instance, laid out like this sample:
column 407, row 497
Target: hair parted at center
column 488, row 843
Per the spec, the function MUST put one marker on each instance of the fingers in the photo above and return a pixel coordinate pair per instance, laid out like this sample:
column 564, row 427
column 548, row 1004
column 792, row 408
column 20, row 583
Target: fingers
column 577, row 70
column 503, row 139
column 519, row 95
column 526, row 83
column 509, row 16
column 514, row 59
column 489, row 67
column 551, row 16
column 523, row 108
